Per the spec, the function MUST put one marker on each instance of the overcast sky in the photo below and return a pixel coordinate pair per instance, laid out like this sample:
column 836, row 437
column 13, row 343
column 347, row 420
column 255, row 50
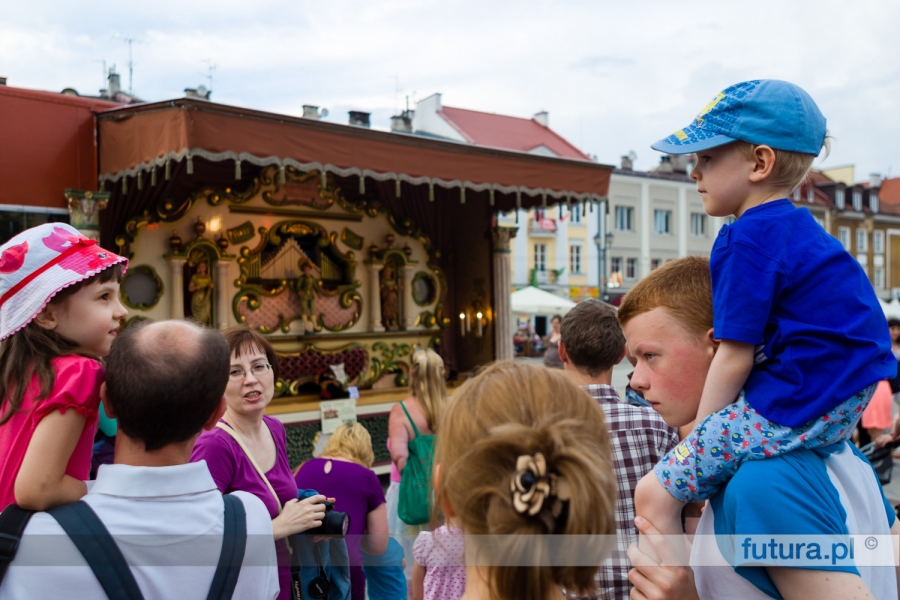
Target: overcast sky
column 615, row 76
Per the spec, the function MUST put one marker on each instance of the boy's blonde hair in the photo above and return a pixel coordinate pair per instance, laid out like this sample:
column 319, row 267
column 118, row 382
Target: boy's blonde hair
column 791, row 168
column 353, row 442
column 683, row 287
column 428, row 386
column 508, row 411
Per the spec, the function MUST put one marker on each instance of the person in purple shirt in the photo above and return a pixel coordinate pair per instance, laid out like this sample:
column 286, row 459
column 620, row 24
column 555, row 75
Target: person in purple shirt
column 343, row 471
column 247, row 451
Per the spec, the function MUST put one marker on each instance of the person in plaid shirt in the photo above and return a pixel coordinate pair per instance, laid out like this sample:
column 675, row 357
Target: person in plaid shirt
column 592, row 343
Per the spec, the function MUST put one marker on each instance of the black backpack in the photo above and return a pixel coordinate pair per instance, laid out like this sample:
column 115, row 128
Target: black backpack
column 105, row 559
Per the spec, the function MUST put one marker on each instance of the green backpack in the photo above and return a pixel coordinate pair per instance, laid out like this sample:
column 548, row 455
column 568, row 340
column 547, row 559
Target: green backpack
column 414, row 506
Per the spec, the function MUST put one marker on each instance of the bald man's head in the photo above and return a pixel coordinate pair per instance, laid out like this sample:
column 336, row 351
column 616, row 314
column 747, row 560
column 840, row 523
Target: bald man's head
column 164, row 380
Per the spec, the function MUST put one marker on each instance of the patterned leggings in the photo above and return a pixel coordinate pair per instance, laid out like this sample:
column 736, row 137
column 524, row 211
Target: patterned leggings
column 707, row 458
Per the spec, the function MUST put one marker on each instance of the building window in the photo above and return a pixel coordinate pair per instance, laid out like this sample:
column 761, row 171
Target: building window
column 655, row 263
column 873, row 201
column 862, row 240
column 615, row 264
column 863, row 261
column 698, row 224
column 820, row 221
column 575, row 258
column 844, row 237
column 857, row 200
column 624, row 218
column 878, row 242
column 839, row 198
column 878, row 276
column 796, row 194
column 575, row 214
column 662, row 220
column 631, row 269
column 540, row 257
column 810, row 194
column 14, row 222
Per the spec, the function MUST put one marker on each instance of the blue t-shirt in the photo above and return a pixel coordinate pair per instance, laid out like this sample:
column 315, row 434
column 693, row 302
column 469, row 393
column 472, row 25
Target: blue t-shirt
column 782, row 283
column 813, row 503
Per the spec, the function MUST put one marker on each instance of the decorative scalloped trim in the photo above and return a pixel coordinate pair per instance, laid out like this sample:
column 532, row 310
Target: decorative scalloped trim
column 189, row 153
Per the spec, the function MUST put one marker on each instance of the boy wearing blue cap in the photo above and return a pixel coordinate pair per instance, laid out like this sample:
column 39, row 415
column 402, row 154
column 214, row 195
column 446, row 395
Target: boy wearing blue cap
column 802, row 341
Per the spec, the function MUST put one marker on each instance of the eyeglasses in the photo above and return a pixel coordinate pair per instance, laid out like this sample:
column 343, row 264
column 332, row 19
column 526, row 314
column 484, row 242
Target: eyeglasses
column 258, row 370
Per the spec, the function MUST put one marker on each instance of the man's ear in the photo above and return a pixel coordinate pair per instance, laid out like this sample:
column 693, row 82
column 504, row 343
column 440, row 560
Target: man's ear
column 621, row 356
column 49, row 317
column 711, row 340
column 217, row 414
column 104, row 398
column 563, row 355
column 763, row 163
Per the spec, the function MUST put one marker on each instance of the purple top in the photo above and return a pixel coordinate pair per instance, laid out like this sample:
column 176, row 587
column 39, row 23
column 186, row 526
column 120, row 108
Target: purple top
column 357, row 492
column 232, row 470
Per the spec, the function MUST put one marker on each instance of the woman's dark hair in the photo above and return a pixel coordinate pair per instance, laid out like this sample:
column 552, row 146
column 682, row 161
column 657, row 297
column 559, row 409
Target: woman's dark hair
column 243, row 339
column 557, row 317
column 28, row 352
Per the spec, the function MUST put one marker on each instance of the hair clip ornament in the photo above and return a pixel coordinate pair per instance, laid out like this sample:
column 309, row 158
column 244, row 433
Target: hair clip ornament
column 531, row 485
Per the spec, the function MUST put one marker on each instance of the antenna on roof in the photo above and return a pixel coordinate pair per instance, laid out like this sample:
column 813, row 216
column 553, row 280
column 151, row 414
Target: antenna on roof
column 130, row 41
column 210, row 71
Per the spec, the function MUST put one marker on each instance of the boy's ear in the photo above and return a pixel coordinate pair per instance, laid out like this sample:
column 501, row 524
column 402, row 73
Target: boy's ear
column 621, row 356
column 49, row 317
column 763, row 163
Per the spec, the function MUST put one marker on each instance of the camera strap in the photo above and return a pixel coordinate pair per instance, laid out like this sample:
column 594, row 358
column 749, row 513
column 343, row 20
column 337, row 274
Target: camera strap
column 226, row 428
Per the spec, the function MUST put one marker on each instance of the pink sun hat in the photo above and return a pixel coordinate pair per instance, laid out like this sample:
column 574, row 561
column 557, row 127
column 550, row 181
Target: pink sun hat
column 38, row 263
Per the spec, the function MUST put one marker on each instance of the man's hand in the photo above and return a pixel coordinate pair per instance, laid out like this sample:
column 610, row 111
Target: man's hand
column 654, row 580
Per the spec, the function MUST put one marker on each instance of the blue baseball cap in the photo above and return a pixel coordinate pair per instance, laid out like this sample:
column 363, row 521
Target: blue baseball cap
column 763, row 111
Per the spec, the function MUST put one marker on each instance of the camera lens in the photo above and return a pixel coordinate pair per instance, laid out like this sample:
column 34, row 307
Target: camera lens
column 336, row 524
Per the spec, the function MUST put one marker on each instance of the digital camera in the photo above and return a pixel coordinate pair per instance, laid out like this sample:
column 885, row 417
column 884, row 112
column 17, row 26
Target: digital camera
column 334, row 523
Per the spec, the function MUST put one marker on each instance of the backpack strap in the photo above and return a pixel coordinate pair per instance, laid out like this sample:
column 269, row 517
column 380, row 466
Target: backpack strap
column 234, row 544
column 98, row 548
column 13, row 521
column 410, row 420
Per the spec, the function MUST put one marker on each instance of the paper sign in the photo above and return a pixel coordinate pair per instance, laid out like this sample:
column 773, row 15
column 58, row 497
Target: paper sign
column 335, row 412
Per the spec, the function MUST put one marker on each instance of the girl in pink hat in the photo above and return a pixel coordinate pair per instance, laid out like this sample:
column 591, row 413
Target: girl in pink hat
column 59, row 313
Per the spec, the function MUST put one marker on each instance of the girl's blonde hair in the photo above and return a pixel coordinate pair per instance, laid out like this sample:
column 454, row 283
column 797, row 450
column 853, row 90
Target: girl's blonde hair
column 508, row 411
column 351, row 441
column 428, row 386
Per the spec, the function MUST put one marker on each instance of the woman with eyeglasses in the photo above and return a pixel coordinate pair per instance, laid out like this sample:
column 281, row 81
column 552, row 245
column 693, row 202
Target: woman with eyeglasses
column 247, row 450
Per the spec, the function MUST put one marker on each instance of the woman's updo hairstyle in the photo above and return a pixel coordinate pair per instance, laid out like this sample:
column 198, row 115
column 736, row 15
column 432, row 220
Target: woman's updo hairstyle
column 523, row 451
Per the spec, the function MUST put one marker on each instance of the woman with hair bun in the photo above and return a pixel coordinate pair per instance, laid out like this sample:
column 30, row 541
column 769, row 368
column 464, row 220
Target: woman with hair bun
column 424, row 407
column 523, row 465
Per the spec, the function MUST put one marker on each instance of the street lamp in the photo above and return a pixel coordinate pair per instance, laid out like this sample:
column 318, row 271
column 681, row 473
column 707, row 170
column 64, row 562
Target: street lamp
column 603, row 242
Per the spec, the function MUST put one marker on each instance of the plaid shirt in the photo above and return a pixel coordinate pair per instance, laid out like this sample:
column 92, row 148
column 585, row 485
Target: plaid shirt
column 640, row 438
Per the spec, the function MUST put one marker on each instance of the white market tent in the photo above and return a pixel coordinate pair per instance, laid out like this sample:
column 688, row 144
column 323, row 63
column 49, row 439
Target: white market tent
column 533, row 301
column 891, row 309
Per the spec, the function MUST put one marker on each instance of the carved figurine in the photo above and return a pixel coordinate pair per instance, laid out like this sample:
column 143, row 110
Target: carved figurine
column 201, row 286
column 390, row 297
column 306, row 292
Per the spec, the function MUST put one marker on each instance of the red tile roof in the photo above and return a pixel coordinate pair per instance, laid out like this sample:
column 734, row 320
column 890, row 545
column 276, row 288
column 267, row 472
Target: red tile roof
column 889, row 196
column 511, row 133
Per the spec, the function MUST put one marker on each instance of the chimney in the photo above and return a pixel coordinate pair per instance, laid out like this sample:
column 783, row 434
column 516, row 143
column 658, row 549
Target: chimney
column 114, row 87
column 201, row 93
column 310, row 111
column 357, row 117
column 665, row 165
column 874, row 180
column 543, row 118
column 627, row 164
column 2, row 80
column 402, row 123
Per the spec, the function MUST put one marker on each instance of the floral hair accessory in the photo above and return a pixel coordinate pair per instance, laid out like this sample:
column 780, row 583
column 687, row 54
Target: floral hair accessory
column 531, row 486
